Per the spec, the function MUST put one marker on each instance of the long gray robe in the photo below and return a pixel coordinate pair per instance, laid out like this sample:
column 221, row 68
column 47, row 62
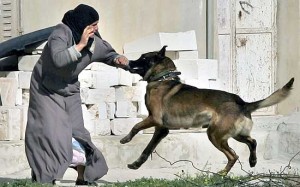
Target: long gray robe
column 55, row 113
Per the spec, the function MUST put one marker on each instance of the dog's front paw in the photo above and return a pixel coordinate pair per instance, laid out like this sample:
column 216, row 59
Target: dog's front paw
column 252, row 162
column 223, row 172
column 133, row 166
column 125, row 140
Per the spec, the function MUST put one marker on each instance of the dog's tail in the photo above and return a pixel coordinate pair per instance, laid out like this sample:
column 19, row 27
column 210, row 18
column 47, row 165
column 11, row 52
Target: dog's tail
column 273, row 99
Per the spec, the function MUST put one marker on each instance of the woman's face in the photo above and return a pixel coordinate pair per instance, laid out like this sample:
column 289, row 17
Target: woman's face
column 94, row 27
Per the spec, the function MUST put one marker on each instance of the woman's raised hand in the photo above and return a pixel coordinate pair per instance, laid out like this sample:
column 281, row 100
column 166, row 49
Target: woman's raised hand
column 87, row 33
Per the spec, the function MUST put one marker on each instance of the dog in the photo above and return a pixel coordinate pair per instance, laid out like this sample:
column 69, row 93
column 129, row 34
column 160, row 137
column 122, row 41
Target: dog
column 173, row 105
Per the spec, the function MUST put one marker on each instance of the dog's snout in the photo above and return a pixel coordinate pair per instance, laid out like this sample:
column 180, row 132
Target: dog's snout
column 130, row 66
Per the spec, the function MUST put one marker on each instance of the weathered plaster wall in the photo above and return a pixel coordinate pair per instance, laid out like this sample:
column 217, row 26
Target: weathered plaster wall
column 288, row 21
column 126, row 20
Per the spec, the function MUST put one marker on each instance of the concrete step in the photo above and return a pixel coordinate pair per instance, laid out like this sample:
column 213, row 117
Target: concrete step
column 12, row 157
column 192, row 147
column 278, row 140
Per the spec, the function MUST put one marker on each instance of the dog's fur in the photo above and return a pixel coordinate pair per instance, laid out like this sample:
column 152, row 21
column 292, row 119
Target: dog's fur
column 173, row 105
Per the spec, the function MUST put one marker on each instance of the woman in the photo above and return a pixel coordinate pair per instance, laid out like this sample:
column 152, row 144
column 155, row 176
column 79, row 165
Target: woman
column 55, row 113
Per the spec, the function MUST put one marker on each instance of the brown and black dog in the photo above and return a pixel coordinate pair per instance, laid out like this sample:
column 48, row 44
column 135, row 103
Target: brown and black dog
column 173, row 105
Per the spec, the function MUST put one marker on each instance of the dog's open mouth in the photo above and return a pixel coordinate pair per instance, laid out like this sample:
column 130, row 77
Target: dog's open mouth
column 133, row 69
column 136, row 70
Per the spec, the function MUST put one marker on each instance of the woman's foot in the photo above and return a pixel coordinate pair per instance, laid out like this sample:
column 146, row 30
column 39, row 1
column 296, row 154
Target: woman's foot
column 80, row 180
column 83, row 182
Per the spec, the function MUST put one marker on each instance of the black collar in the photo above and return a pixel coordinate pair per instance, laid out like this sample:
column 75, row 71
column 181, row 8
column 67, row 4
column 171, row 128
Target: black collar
column 165, row 75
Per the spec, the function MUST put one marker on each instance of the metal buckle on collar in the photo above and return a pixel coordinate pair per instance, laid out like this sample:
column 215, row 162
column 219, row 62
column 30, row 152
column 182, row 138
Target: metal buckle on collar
column 172, row 75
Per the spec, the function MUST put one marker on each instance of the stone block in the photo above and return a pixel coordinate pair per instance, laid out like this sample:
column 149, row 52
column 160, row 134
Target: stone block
column 27, row 62
column 98, row 79
column 98, row 111
column 208, row 68
column 215, row 84
column 126, row 109
column 24, row 79
column 197, row 83
column 122, row 126
column 10, row 74
column 25, row 97
column 175, row 42
column 87, row 120
column 197, row 68
column 13, row 158
column 23, row 123
column 19, row 97
column 129, row 93
column 99, row 76
column 172, row 54
column 99, row 66
column 104, row 76
column 187, row 55
column 8, row 88
column 142, row 110
column 10, row 122
column 136, row 78
column 13, row 75
column 104, row 79
column 125, row 77
column 102, row 127
column 94, row 96
column 111, row 110
column 188, row 68
column 85, row 79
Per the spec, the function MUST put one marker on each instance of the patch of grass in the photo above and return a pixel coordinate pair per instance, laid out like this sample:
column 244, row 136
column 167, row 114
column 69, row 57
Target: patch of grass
column 23, row 183
column 183, row 181
column 203, row 180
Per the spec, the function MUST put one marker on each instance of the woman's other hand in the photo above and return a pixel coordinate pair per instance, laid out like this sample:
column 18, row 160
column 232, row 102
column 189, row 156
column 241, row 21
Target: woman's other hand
column 121, row 61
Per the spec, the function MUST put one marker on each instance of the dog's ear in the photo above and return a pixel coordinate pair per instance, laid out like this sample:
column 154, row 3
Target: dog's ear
column 162, row 52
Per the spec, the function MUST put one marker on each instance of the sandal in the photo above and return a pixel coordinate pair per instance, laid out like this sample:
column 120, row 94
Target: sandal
column 83, row 182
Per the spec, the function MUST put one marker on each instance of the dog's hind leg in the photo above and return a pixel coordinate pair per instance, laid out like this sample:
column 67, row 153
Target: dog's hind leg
column 159, row 134
column 223, row 146
column 146, row 123
column 251, row 143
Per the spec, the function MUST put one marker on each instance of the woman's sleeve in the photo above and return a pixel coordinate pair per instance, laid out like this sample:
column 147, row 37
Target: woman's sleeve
column 61, row 53
column 104, row 52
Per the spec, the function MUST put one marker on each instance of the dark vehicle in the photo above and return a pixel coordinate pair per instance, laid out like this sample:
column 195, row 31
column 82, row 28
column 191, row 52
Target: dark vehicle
column 11, row 49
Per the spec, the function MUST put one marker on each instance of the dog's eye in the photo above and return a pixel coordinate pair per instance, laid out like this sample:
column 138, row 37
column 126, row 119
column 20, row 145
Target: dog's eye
column 143, row 58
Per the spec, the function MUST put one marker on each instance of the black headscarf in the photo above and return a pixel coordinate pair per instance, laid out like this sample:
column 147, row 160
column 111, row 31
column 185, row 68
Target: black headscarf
column 78, row 19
